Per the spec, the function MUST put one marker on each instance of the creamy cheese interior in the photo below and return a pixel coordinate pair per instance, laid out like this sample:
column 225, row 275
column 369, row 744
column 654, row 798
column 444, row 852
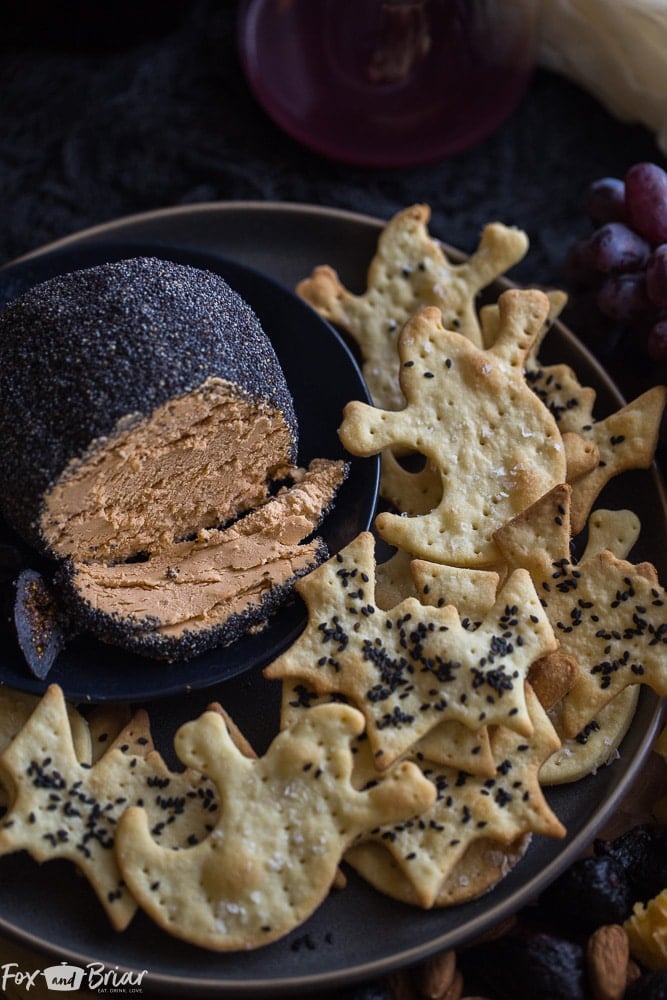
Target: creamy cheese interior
column 193, row 464
column 200, row 583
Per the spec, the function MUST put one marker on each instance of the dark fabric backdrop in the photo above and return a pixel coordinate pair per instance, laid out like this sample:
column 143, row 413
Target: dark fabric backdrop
column 90, row 134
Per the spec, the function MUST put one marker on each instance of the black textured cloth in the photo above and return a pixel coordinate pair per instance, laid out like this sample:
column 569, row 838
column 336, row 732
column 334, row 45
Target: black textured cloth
column 153, row 111
column 88, row 133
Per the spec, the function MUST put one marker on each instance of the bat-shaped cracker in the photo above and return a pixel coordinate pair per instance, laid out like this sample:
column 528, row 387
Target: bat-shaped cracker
column 408, row 271
column 285, row 820
column 469, row 807
column 413, row 667
column 66, row 809
column 625, row 439
column 608, row 614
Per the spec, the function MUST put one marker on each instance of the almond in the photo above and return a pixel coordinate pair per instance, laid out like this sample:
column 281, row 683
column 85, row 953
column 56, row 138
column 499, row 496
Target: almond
column 607, row 956
column 497, row 931
column 401, row 986
column 455, row 989
column 436, row 975
column 634, row 972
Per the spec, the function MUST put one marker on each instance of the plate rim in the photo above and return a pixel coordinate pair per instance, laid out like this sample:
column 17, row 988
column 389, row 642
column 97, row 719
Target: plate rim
column 137, row 218
column 348, row 976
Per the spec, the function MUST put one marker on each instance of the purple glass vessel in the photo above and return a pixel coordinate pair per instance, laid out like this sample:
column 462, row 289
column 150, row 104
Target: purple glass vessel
column 383, row 83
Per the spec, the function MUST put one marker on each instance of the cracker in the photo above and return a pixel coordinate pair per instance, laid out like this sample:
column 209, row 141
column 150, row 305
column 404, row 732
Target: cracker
column 471, row 592
column 598, row 450
column 552, row 385
column 484, row 863
column 66, row 809
column 552, row 676
column 467, row 808
column 411, row 491
column 496, row 446
column 454, row 745
column 394, row 580
column 284, row 822
column 417, row 491
column 408, row 271
column 595, row 746
column 106, row 722
column 413, row 667
column 238, row 738
column 489, row 319
column 625, row 439
column 615, row 530
column 607, row 613
column 16, row 708
column 451, row 743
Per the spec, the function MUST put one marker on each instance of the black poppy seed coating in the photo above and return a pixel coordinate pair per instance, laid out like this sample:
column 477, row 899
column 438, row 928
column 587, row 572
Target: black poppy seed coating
column 82, row 350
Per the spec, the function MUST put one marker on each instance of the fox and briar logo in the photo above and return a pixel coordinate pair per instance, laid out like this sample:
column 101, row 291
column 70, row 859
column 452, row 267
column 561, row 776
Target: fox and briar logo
column 70, row 978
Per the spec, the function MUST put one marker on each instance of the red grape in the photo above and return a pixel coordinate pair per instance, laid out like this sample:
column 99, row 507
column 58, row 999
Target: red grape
column 657, row 342
column 615, row 248
column 646, row 201
column 656, row 276
column 579, row 270
column 605, row 201
column 617, row 276
column 623, row 297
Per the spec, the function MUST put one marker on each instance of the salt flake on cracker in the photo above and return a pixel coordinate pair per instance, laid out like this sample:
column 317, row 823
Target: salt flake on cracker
column 285, row 820
column 413, row 667
column 409, row 270
column 496, row 446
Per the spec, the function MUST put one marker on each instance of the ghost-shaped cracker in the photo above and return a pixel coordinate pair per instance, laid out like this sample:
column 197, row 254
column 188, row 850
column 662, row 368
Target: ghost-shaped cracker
column 496, row 446
column 285, row 820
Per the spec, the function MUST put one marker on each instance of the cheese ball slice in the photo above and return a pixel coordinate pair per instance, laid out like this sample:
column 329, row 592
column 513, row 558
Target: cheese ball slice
column 140, row 403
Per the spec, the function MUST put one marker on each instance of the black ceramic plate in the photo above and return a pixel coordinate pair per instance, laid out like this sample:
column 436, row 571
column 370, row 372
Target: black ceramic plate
column 322, row 375
column 356, row 934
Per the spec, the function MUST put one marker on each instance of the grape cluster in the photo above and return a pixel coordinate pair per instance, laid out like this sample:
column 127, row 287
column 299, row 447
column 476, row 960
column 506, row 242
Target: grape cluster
column 624, row 261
